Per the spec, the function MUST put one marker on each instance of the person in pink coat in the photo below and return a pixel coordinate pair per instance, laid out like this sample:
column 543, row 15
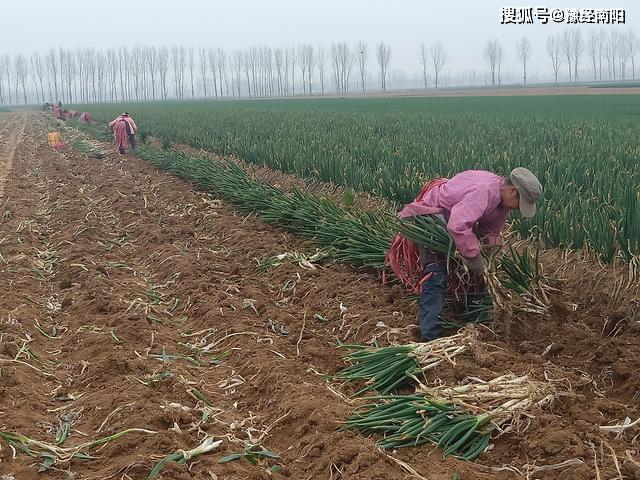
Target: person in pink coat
column 475, row 205
column 84, row 119
column 124, row 129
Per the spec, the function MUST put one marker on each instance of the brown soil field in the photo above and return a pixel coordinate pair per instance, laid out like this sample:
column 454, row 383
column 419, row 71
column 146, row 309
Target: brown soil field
column 131, row 300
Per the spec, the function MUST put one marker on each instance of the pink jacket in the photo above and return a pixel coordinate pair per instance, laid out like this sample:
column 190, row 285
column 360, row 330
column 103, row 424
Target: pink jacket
column 127, row 119
column 471, row 203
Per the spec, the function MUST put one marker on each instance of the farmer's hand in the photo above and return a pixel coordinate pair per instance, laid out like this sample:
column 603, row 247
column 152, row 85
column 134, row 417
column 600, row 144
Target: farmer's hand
column 491, row 244
column 476, row 265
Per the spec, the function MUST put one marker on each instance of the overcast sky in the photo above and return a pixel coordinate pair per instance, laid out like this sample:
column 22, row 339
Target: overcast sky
column 463, row 26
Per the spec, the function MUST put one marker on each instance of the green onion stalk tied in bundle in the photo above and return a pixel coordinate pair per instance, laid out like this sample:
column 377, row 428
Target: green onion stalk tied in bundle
column 504, row 399
column 387, row 368
column 412, row 420
column 460, row 419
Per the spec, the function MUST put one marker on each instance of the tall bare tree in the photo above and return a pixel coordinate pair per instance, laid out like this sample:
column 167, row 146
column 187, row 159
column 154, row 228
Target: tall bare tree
column 342, row 59
column 335, row 61
column 223, row 76
column 237, row 61
column 492, row 56
column 363, row 56
column 612, row 51
column 100, row 75
column 424, row 60
column 320, row 61
column 593, row 47
column 21, row 69
column 554, row 50
column 163, row 70
column 623, row 56
column 293, row 58
column 191, row 59
column 500, row 60
column 567, row 49
column 303, row 67
column 179, row 61
column 310, row 61
column 154, row 67
column 278, row 57
column 52, row 70
column 523, row 48
column 38, row 69
column 137, row 67
column 202, row 57
column 112, row 73
column 212, row 55
column 601, row 51
column 247, row 65
column 632, row 47
column 577, row 47
column 3, row 73
column 68, row 63
column 438, row 59
column 383, row 54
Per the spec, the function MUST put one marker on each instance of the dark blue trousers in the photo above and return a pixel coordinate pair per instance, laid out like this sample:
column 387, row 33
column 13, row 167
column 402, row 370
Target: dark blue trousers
column 432, row 297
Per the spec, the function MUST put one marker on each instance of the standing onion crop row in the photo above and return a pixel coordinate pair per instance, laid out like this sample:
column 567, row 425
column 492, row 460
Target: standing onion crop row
column 588, row 165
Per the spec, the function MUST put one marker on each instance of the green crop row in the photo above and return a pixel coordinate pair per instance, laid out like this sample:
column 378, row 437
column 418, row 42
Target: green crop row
column 587, row 163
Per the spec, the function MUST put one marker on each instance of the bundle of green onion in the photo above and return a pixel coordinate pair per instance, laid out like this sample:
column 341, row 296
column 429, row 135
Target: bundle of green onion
column 87, row 148
column 460, row 420
column 430, row 232
column 505, row 399
column 388, row 368
column 411, row 420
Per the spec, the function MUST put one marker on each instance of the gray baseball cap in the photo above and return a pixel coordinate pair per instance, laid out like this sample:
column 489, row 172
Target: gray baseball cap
column 529, row 189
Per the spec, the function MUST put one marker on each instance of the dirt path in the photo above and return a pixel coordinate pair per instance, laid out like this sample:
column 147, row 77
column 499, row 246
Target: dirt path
column 11, row 132
column 130, row 300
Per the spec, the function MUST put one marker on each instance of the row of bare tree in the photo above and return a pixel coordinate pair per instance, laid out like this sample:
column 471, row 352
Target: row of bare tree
column 609, row 55
column 152, row 73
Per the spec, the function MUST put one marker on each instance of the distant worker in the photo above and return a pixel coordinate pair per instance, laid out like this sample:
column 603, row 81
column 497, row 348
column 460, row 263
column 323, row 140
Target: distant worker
column 475, row 205
column 85, row 119
column 124, row 128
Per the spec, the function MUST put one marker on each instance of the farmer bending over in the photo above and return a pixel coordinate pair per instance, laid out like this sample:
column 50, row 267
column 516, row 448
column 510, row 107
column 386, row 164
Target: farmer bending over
column 124, row 128
column 85, row 119
column 475, row 204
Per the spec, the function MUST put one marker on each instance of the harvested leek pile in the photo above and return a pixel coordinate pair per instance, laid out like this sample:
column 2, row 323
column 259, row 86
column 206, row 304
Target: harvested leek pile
column 505, row 399
column 88, row 148
column 349, row 235
column 387, row 368
column 412, row 420
column 460, row 420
